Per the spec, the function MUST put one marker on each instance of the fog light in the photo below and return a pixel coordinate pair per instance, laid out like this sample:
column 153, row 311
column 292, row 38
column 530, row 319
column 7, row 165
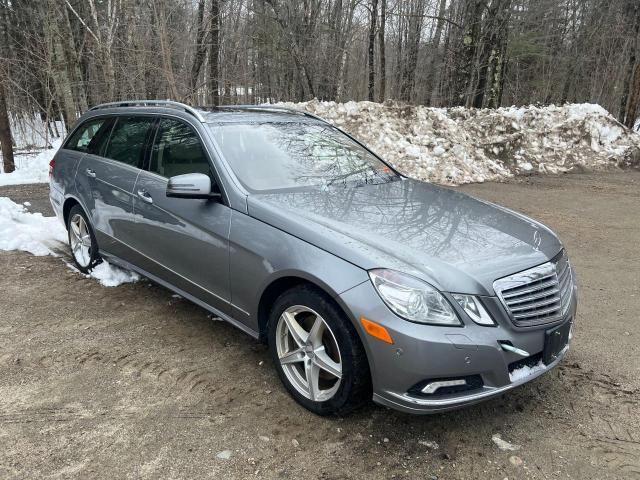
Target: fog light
column 432, row 387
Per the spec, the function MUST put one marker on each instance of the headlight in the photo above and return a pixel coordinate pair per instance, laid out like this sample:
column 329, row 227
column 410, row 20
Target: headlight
column 472, row 307
column 413, row 299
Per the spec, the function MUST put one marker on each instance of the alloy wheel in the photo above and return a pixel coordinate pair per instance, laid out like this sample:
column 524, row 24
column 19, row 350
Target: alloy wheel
column 80, row 240
column 308, row 353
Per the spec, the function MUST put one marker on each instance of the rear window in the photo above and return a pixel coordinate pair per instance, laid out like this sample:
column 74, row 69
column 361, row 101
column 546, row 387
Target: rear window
column 85, row 135
column 128, row 140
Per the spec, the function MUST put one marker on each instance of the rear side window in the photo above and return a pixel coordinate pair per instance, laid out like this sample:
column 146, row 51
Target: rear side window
column 178, row 150
column 85, row 134
column 128, row 140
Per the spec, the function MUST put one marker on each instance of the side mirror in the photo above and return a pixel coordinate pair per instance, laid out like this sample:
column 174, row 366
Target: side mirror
column 191, row 185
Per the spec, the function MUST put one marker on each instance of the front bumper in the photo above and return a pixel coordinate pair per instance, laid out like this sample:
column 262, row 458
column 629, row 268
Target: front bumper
column 425, row 352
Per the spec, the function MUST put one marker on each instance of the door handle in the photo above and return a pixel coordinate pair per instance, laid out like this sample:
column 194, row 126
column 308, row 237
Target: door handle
column 145, row 196
column 90, row 173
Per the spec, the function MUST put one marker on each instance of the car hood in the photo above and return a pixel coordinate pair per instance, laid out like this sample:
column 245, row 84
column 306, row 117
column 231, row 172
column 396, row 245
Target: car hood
column 453, row 241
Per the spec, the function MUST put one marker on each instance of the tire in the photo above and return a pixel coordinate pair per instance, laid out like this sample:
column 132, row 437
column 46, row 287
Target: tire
column 82, row 240
column 332, row 347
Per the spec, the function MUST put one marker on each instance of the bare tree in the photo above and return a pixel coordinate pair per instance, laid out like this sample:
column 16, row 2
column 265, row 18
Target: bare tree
column 631, row 86
column 200, row 48
column 66, row 55
column 382, row 48
column 214, row 54
column 371, row 51
column 5, row 133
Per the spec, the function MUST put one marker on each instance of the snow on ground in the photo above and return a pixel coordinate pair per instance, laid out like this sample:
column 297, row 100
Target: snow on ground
column 525, row 371
column 111, row 276
column 40, row 235
column 503, row 444
column 29, row 232
column 31, row 167
column 460, row 145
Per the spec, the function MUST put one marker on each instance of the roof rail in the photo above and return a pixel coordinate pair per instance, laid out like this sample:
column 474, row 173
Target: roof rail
column 152, row 103
column 274, row 108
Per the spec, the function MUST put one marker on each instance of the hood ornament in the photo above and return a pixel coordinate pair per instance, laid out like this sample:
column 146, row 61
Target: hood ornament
column 537, row 239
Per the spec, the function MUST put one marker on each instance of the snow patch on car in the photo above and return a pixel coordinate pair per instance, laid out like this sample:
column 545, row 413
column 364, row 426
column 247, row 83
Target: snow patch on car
column 525, row 371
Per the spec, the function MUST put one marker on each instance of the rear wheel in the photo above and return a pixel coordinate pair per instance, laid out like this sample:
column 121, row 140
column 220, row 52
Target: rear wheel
column 82, row 241
column 318, row 354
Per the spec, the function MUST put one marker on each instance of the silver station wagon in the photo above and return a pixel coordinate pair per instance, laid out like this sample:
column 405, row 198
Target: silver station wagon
column 365, row 284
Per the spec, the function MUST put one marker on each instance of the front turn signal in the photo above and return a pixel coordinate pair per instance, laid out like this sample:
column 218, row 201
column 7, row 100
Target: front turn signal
column 376, row 331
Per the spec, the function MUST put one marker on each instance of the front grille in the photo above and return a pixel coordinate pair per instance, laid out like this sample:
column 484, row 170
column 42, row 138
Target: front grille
column 539, row 295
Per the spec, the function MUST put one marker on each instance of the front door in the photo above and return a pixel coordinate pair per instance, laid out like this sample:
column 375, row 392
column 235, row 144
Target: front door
column 184, row 241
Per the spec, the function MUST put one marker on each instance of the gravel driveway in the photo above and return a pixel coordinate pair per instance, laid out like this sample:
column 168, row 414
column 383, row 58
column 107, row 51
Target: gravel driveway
column 129, row 381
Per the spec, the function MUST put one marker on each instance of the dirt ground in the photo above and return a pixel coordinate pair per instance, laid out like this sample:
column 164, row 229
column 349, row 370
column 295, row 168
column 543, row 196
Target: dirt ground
column 129, row 382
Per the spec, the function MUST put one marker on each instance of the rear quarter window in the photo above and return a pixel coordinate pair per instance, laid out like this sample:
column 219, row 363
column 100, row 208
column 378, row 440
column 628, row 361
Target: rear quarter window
column 86, row 135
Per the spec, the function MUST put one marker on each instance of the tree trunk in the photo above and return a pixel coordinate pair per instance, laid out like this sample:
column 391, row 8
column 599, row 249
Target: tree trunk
column 432, row 75
column 492, row 56
column 300, row 60
column 5, row 133
column 633, row 104
column 627, row 107
column 413, row 47
column 372, row 43
column 466, row 70
column 79, row 90
column 61, row 79
column 214, row 54
column 383, row 56
column 201, row 49
column 160, row 15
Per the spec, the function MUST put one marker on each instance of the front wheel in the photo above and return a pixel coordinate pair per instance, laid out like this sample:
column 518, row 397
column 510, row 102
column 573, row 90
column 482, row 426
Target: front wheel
column 84, row 247
column 317, row 353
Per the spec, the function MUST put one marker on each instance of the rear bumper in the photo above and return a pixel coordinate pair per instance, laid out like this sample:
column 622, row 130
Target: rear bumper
column 425, row 353
column 56, row 198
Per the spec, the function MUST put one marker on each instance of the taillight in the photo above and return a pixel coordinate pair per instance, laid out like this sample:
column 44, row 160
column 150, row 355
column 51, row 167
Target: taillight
column 52, row 165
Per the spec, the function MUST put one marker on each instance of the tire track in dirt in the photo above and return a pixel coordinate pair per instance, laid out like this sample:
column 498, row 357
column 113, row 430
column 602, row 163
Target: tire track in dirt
column 189, row 379
column 609, row 435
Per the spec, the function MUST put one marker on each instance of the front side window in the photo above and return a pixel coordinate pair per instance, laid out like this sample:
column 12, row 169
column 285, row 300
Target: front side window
column 128, row 140
column 289, row 155
column 177, row 150
column 84, row 135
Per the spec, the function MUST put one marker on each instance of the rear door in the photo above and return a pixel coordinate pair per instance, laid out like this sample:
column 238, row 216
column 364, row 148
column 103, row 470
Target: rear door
column 105, row 180
column 184, row 241
column 82, row 141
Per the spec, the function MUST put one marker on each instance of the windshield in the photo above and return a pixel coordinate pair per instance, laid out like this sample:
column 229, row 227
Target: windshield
column 287, row 155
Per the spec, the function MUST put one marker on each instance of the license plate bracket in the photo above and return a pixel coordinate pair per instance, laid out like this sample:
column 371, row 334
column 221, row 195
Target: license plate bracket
column 555, row 339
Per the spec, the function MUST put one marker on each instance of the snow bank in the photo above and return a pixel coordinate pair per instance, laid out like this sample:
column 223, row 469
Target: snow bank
column 30, row 167
column 39, row 235
column 460, row 145
column 29, row 232
column 457, row 145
